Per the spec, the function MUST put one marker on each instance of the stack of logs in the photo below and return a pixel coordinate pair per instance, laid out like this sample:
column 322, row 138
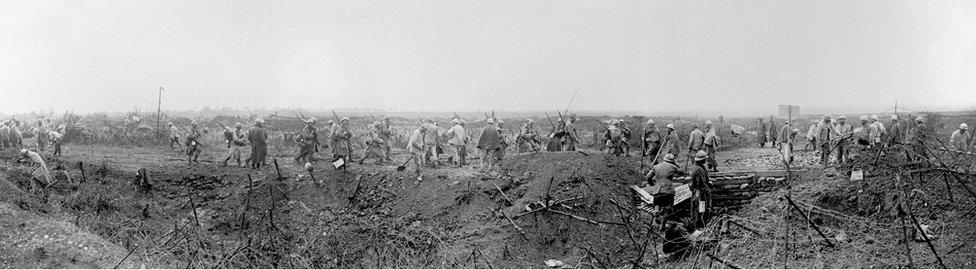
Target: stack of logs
column 735, row 189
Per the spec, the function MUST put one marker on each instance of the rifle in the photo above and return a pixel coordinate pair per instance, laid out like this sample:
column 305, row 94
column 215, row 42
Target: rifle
column 550, row 123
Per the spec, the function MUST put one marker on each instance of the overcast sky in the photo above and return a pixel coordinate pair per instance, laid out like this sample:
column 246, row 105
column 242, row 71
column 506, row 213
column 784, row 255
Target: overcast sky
column 478, row 55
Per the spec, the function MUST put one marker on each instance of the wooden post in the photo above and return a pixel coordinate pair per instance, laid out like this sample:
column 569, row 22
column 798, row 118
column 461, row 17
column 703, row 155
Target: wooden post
column 278, row 170
column 924, row 236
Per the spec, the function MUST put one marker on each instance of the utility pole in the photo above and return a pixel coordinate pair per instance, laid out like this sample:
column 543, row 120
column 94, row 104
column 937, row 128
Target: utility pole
column 159, row 109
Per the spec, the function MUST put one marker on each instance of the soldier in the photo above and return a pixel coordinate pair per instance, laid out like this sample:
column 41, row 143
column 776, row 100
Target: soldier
column 761, row 133
column 711, row 144
column 651, row 138
column 772, row 131
column 416, row 147
column 174, row 136
column 842, row 132
column 341, row 147
column 614, row 138
column 16, row 138
column 627, row 133
column 670, row 143
column 56, row 141
column 825, row 133
column 661, row 176
column 572, row 135
column 556, row 139
column 960, row 139
column 235, row 144
column 882, row 131
column 459, row 140
column 259, row 144
column 432, row 137
column 488, row 143
column 374, row 144
column 40, row 135
column 5, row 134
column 386, row 134
column 192, row 145
column 701, row 189
column 895, row 133
column 307, row 139
column 696, row 140
column 503, row 141
column 917, row 138
column 528, row 137
column 40, row 173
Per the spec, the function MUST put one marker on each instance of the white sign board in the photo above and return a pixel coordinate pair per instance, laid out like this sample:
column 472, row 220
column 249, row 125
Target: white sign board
column 857, row 175
column 789, row 111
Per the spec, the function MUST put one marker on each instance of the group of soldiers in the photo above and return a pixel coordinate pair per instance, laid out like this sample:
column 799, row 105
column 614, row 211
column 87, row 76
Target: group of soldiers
column 235, row 141
column 836, row 139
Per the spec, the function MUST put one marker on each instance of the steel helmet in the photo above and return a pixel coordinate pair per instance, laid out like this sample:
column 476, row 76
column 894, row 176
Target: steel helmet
column 964, row 126
column 875, row 117
column 920, row 119
column 650, row 122
column 842, row 117
column 864, row 118
column 708, row 122
column 894, row 117
column 671, row 126
column 669, row 158
column 701, row 155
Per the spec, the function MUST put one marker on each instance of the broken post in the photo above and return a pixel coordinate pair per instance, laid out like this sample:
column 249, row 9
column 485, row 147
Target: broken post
column 277, row 170
column 81, row 166
column 812, row 224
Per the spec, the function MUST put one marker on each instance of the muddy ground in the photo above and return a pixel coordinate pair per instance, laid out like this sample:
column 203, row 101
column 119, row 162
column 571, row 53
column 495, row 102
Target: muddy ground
column 372, row 216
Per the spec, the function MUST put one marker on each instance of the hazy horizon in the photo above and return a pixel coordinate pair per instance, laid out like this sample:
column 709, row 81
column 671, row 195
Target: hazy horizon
column 728, row 57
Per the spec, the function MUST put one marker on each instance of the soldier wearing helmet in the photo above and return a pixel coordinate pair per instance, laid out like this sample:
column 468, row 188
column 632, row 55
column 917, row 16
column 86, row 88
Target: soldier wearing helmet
column 701, row 189
column 458, row 138
column 193, row 143
column 528, row 137
column 651, row 138
column 374, row 143
column 341, row 146
column 308, row 140
column 614, row 138
column 235, row 145
column 661, row 178
column 961, row 138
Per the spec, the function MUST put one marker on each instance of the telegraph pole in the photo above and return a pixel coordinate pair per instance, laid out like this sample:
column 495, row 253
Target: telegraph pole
column 159, row 109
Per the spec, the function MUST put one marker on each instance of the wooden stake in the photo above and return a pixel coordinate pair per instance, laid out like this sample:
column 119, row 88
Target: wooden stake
column 924, row 236
column 278, row 170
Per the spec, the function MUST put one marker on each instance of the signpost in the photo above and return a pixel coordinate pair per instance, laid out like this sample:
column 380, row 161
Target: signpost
column 788, row 111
